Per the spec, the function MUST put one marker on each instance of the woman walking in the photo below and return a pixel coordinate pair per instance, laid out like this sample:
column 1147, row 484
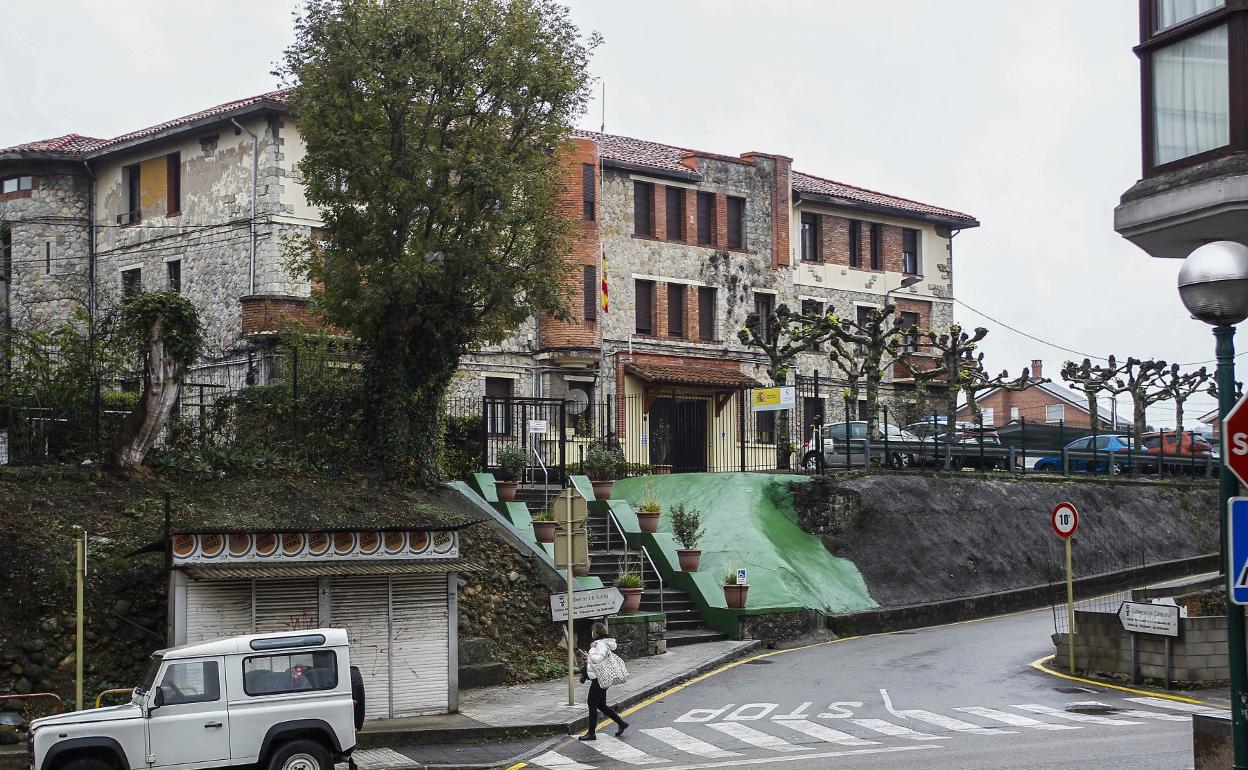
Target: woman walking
column 602, row 647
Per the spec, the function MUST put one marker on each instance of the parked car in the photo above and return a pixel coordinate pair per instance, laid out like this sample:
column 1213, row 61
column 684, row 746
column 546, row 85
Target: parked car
column 834, row 435
column 1103, row 446
column 932, row 432
column 294, row 703
column 1189, row 452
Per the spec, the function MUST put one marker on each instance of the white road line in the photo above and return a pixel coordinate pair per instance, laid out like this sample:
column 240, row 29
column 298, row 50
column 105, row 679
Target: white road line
column 802, row 757
column 896, row 731
column 687, row 743
column 553, row 761
column 755, row 738
column 619, row 750
column 1072, row 716
column 1014, row 720
column 1190, row 708
column 825, row 734
column 1137, row 714
column 957, row 725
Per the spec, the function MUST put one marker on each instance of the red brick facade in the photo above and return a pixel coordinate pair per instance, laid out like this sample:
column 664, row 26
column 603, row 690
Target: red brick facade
column 265, row 314
column 586, row 250
column 1032, row 405
column 834, row 243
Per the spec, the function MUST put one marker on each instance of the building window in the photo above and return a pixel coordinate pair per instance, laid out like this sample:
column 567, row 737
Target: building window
column 1054, row 413
column 736, row 222
column 855, row 243
column 6, row 253
column 1191, row 96
column 875, row 245
column 910, row 251
column 676, row 310
column 764, row 306
column 643, row 209
column 498, row 395
column 16, row 183
column 173, row 271
column 706, row 219
column 862, row 314
column 589, row 191
column 764, row 427
column 133, row 211
column 173, row 184
column 644, row 308
column 589, row 290
column 987, row 417
column 581, row 396
column 131, row 282
column 1014, row 414
column 675, row 213
column 810, row 237
column 1173, row 12
column 706, row 313
column 909, row 332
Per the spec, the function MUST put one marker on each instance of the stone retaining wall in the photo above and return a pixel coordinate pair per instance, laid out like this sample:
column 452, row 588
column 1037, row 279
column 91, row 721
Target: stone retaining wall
column 639, row 634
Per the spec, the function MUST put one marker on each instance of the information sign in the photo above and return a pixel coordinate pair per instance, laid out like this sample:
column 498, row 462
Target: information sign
column 590, row 603
column 1142, row 618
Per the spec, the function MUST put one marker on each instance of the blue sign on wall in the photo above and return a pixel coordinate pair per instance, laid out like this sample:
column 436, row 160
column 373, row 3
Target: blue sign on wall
column 1237, row 534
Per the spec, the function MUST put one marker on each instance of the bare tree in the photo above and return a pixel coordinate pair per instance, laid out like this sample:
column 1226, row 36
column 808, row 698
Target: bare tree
column 978, row 381
column 863, row 349
column 1140, row 380
column 1090, row 380
column 957, row 361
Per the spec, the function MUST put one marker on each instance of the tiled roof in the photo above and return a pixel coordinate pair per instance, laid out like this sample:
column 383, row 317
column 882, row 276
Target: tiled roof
column 685, row 374
column 77, row 145
column 666, row 157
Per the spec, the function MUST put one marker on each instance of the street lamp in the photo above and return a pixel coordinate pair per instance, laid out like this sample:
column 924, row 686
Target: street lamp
column 1213, row 284
column 906, row 283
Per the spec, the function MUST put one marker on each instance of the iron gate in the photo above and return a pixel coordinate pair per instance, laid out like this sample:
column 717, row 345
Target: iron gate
column 538, row 424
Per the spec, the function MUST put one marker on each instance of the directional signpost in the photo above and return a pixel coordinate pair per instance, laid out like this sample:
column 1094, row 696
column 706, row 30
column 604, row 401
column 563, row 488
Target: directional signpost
column 589, row 603
column 571, row 550
column 1065, row 522
column 1142, row 618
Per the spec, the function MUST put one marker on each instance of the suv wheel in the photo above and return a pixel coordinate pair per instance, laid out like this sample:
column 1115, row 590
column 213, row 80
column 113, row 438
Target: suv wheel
column 301, row 754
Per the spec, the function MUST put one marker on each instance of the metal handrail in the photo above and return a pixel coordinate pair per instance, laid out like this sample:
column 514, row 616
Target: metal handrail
column 611, row 520
column 60, row 704
column 99, row 699
column 545, row 479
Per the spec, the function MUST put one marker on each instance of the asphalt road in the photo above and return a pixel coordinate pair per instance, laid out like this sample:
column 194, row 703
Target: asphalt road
column 946, row 698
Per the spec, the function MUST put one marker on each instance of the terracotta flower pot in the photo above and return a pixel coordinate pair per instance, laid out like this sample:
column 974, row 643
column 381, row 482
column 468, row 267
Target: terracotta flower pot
column 734, row 595
column 648, row 521
column 545, row 531
column 582, row 571
column 506, row 490
column 602, row 489
column 689, row 559
column 632, row 599
column 662, row 470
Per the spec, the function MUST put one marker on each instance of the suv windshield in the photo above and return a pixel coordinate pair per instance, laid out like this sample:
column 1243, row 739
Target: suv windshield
column 149, row 676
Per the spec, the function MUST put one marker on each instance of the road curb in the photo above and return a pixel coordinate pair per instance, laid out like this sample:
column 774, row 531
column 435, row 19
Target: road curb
column 1039, row 665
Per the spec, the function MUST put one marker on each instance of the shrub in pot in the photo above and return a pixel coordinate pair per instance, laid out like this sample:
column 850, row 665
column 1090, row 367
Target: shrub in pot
column 734, row 593
column 649, row 511
column 512, row 461
column 603, row 465
column 544, row 527
column 687, row 530
column 631, row 585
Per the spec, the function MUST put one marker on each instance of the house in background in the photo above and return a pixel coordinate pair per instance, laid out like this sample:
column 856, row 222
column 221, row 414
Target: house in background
column 1046, row 403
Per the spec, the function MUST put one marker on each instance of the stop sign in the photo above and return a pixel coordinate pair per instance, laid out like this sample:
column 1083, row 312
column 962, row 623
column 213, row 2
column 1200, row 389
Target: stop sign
column 1235, row 436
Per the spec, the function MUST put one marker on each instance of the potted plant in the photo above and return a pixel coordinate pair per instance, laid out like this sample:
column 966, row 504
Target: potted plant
column 544, row 527
column 648, row 512
column 512, row 460
column 734, row 593
column 631, row 585
column 687, row 529
column 603, row 465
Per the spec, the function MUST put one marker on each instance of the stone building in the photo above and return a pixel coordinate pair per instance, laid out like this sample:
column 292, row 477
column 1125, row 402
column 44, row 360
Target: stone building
column 682, row 243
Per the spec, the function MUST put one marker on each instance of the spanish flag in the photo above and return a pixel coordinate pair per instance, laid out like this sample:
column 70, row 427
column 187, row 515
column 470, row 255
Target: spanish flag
column 605, row 302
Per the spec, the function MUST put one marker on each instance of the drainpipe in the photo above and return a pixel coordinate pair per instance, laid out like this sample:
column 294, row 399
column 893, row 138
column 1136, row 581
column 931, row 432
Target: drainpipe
column 255, row 163
column 91, row 301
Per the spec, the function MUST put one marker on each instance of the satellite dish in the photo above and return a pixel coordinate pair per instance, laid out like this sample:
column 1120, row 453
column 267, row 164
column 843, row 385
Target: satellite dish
column 578, row 401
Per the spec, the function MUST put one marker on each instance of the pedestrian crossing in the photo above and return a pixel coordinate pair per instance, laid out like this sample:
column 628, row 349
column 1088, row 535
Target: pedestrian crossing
column 787, row 739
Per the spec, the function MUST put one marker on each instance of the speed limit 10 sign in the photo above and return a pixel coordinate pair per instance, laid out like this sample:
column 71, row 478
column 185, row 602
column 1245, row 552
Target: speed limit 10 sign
column 1065, row 519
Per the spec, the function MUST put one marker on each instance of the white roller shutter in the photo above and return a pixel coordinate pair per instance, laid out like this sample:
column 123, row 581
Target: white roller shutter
column 420, row 658
column 217, row 609
column 286, row 604
column 361, row 605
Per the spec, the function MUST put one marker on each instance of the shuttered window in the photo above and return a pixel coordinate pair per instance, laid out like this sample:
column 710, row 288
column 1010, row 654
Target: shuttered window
column 764, row 306
column 173, row 183
column 590, row 291
column 645, row 307
column 706, row 219
column 810, row 237
column 855, row 243
column 736, row 221
column 675, row 214
column 643, row 209
column 676, row 310
column 876, row 237
column 588, row 191
column 706, row 313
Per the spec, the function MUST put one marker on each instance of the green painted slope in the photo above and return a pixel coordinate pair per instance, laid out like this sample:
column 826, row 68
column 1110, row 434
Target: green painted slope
column 750, row 522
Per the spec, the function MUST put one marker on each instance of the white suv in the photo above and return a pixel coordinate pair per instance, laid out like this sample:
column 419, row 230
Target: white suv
column 284, row 701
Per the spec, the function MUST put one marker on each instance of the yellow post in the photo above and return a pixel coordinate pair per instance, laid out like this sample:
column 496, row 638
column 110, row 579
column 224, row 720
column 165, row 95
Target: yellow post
column 1070, row 609
column 571, row 634
column 80, row 559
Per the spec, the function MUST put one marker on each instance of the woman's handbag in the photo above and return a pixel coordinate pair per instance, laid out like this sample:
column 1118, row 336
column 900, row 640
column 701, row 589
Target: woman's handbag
column 611, row 671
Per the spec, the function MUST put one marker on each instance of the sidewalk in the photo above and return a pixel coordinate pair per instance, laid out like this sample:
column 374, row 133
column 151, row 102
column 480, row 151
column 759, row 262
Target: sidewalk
column 519, row 720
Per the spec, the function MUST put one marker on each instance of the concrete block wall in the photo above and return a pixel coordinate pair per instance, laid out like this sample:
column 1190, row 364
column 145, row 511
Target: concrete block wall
column 1198, row 654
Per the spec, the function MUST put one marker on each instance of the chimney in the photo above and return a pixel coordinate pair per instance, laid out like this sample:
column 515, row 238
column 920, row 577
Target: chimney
column 1037, row 368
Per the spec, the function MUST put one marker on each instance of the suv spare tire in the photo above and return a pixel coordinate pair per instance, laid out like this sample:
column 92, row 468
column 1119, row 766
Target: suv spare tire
column 357, row 696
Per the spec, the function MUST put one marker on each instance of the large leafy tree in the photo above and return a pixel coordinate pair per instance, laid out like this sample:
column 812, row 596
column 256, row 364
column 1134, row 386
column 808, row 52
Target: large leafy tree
column 433, row 132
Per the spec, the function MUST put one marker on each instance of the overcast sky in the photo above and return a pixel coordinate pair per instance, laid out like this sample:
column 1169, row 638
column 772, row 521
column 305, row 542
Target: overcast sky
column 1024, row 114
